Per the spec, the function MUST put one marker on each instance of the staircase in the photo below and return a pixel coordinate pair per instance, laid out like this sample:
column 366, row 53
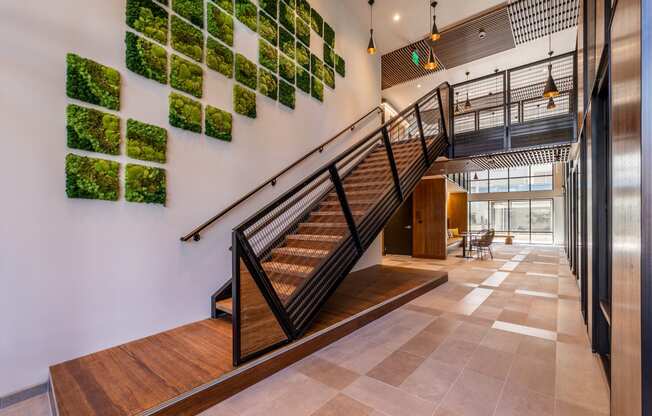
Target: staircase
column 291, row 256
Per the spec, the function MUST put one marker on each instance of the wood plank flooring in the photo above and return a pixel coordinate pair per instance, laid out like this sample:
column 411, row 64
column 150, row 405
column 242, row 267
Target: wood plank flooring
column 188, row 369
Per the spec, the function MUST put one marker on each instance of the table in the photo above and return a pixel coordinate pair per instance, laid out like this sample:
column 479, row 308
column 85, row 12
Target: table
column 466, row 241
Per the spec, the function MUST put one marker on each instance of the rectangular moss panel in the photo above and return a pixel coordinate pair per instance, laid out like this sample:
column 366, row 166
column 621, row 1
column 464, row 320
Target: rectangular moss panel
column 287, row 69
column 219, row 124
column 303, row 80
column 226, row 5
column 329, row 77
column 286, row 94
column 220, row 24
column 317, row 89
column 148, row 18
column 185, row 113
column 146, row 58
column 244, row 101
column 186, row 76
column 329, row 35
column 329, row 56
column 340, row 66
column 92, row 82
column 219, row 58
column 92, row 130
column 286, row 17
column 145, row 184
column 269, row 6
column 267, row 84
column 303, row 56
column 303, row 32
column 267, row 55
column 192, row 10
column 316, row 66
column 146, row 141
column 317, row 22
column 291, row 4
column 187, row 39
column 286, row 43
column 268, row 29
column 91, row 178
column 247, row 13
column 164, row 2
column 246, row 71
column 303, row 10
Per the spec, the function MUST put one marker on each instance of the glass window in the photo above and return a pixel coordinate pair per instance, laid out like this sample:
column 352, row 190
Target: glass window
column 483, row 174
column 479, row 215
column 519, row 185
column 519, row 216
column 498, row 185
column 499, row 211
column 541, row 170
column 541, row 215
column 479, row 187
column 541, row 238
column 519, row 172
column 542, row 183
column 498, row 173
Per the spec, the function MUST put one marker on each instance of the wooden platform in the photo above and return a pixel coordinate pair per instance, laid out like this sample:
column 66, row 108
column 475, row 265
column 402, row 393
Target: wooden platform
column 189, row 369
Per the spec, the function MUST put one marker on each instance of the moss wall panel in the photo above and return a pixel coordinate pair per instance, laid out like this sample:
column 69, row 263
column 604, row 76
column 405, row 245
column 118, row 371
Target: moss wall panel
column 148, row 18
column 146, row 58
column 303, row 80
column 226, row 5
column 316, row 66
column 287, row 94
column 303, row 10
column 329, row 35
column 270, row 7
column 287, row 69
column 268, row 84
column 192, row 10
column 329, row 56
column 186, row 76
column 146, row 141
column 329, row 77
column 317, row 89
column 340, row 66
column 91, row 178
column 286, row 17
column 303, row 56
column 316, row 22
column 244, row 101
column 219, row 124
column 94, row 83
column 267, row 56
column 145, row 184
column 187, row 39
column 286, row 43
column 268, row 28
column 303, row 32
column 185, row 113
column 246, row 71
column 219, row 58
column 247, row 13
column 220, row 24
column 92, row 130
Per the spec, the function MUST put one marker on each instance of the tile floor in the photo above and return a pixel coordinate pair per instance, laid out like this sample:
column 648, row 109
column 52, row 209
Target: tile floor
column 502, row 337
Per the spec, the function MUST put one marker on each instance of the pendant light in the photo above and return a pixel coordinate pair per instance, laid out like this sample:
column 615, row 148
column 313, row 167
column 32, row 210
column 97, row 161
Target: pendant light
column 475, row 176
column 432, row 64
column 551, row 104
column 371, row 49
column 457, row 102
column 551, row 88
column 434, row 33
column 467, row 104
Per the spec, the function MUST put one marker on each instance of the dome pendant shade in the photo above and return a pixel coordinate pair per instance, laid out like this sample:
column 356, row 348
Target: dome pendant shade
column 431, row 65
column 551, row 88
column 371, row 49
column 551, row 104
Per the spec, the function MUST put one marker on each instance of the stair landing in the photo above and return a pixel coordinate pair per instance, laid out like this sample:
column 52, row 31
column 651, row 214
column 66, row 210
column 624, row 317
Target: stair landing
column 189, row 369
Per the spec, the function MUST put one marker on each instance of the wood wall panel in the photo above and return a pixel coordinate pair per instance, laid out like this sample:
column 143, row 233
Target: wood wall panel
column 429, row 229
column 458, row 210
column 626, row 397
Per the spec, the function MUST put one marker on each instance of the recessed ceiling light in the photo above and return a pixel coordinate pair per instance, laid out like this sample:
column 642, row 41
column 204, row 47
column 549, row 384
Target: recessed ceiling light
column 397, row 17
column 418, row 85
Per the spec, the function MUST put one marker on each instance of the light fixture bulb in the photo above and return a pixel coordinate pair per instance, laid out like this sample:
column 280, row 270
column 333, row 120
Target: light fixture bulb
column 431, row 65
column 397, row 17
column 551, row 104
column 551, row 88
column 371, row 49
column 434, row 33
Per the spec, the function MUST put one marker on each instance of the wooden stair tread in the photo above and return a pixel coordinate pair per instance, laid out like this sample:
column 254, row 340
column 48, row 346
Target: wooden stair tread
column 358, row 185
column 225, row 305
column 310, row 237
column 287, row 268
column 336, row 213
column 357, row 202
column 325, row 224
column 301, row 252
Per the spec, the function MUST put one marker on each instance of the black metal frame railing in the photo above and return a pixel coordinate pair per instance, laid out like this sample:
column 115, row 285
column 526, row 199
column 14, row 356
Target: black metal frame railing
column 418, row 135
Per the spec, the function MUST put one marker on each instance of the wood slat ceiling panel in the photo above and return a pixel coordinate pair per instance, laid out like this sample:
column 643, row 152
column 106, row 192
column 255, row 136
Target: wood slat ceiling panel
column 530, row 18
column 397, row 66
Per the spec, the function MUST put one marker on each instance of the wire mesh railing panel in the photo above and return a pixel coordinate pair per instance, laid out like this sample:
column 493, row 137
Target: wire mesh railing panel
column 431, row 119
column 494, row 117
column 529, row 82
column 464, row 123
column 539, row 108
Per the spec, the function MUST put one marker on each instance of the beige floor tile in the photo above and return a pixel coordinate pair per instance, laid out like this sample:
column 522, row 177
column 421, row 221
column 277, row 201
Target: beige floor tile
column 525, row 330
column 579, row 378
column 520, row 401
column 396, row 368
column 469, row 332
column 326, row 372
column 538, row 349
column 533, row 374
column 344, row 405
column 514, row 317
column 424, row 343
column 35, row 406
column 388, row 399
column 563, row 408
column 432, row 380
column 473, row 394
column 454, row 352
column 487, row 312
column 491, row 362
column 443, row 325
column 502, row 340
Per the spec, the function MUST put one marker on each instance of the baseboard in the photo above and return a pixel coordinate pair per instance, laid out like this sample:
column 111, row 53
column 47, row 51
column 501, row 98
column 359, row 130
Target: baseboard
column 23, row 395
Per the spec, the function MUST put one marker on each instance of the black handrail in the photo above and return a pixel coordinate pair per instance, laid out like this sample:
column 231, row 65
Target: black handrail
column 196, row 233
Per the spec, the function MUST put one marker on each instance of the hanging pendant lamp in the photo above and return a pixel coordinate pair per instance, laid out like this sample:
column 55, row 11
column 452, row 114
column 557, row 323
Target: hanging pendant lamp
column 475, row 176
column 457, row 102
column 550, row 89
column 371, row 49
column 434, row 33
column 467, row 104
column 432, row 64
column 551, row 104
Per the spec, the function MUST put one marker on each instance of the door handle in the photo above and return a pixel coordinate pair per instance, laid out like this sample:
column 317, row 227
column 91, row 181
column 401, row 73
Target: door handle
column 408, row 227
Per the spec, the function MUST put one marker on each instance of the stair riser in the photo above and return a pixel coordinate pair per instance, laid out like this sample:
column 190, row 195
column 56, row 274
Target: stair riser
column 352, row 197
column 353, row 205
column 298, row 260
column 314, row 230
column 314, row 245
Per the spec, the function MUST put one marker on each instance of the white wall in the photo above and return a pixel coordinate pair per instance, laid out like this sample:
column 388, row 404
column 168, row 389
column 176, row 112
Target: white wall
column 78, row 276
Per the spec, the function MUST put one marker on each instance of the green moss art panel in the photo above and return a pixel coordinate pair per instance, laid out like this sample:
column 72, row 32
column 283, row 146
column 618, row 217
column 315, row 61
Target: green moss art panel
column 219, row 58
column 94, row 83
column 164, row 2
column 244, row 101
column 247, row 13
column 92, row 130
column 192, row 10
column 303, row 32
column 286, row 17
column 329, row 35
column 286, row 43
column 91, row 178
column 329, row 77
column 268, row 84
column 148, row 18
column 187, row 39
column 185, row 113
column 316, row 66
column 186, row 76
column 144, row 184
column 219, row 124
column 292, row 4
column 267, row 55
column 226, row 5
column 303, row 10
column 317, row 22
column 270, row 7
column 287, row 69
column 303, row 80
column 146, row 58
column 146, row 141
column 286, row 94
column 246, row 71
column 303, row 56
column 329, row 56
column 340, row 66
column 317, row 89
column 267, row 28
column 220, row 24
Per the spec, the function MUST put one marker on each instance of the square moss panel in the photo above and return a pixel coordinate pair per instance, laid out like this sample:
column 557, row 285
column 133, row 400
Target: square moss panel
column 286, row 43
column 219, row 58
column 187, row 39
column 340, row 66
column 317, row 22
column 192, row 10
column 287, row 94
column 185, row 113
column 268, row 28
column 148, row 18
column 186, row 76
column 303, row 32
column 247, row 13
column 287, row 69
column 317, row 89
column 303, row 56
column 329, row 77
column 292, row 4
column 316, row 66
column 146, row 58
column 267, row 84
column 303, row 80
column 219, row 123
column 246, row 71
column 226, row 5
column 329, row 56
column 91, row 178
column 244, row 101
column 94, row 83
column 329, row 35
column 286, row 17
column 303, row 10
column 267, row 55
column 145, row 184
column 220, row 24
column 270, row 7
column 93, row 130
column 146, row 141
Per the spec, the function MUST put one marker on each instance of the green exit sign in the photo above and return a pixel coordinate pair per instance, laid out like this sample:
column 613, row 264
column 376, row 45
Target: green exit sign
column 415, row 57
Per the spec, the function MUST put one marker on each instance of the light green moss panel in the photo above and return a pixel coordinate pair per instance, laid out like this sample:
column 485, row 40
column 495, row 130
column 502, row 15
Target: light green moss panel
column 90, row 178
column 192, row 10
column 219, row 58
column 247, row 13
column 187, row 39
column 93, row 130
column 185, row 113
column 303, row 80
column 148, row 18
column 303, row 10
column 145, row 184
column 303, row 56
column 286, row 43
column 226, row 5
column 340, row 66
column 246, row 71
column 220, row 24
column 317, row 89
column 146, row 141
column 92, row 82
column 244, row 101
column 268, row 84
column 287, row 69
column 286, row 17
column 303, row 32
column 219, row 124
column 287, row 94
column 267, row 56
column 268, row 28
column 329, row 77
column 186, row 76
column 146, row 58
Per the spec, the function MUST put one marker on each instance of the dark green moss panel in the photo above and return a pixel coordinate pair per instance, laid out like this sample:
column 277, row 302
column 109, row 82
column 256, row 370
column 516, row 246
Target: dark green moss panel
column 246, row 72
column 329, row 35
column 303, row 10
column 187, row 39
column 287, row 69
column 316, row 22
column 146, row 58
column 286, row 43
column 340, row 66
column 247, row 13
column 219, row 124
column 317, row 89
column 185, row 113
column 220, row 24
column 267, row 55
column 192, row 10
column 286, row 94
column 186, row 76
column 292, row 4
column 303, row 56
column 317, row 66
column 329, row 77
column 226, row 5
column 94, row 83
column 303, row 32
column 92, row 130
column 148, row 18
column 329, row 56
column 146, row 141
column 244, row 101
column 267, row 84
column 286, row 17
column 90, row 178
column 145, row 184
column 219, row 58
column 268, row 28
column 303, row 80
column 270, row 7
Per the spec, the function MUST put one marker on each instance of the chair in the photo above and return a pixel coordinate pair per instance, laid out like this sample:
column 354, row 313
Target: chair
column 484, row 243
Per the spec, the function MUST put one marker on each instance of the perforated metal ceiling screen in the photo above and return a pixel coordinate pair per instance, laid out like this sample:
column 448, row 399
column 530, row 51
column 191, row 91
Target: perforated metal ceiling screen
column 532, row 19
column 529, row 82
column 524, row 158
